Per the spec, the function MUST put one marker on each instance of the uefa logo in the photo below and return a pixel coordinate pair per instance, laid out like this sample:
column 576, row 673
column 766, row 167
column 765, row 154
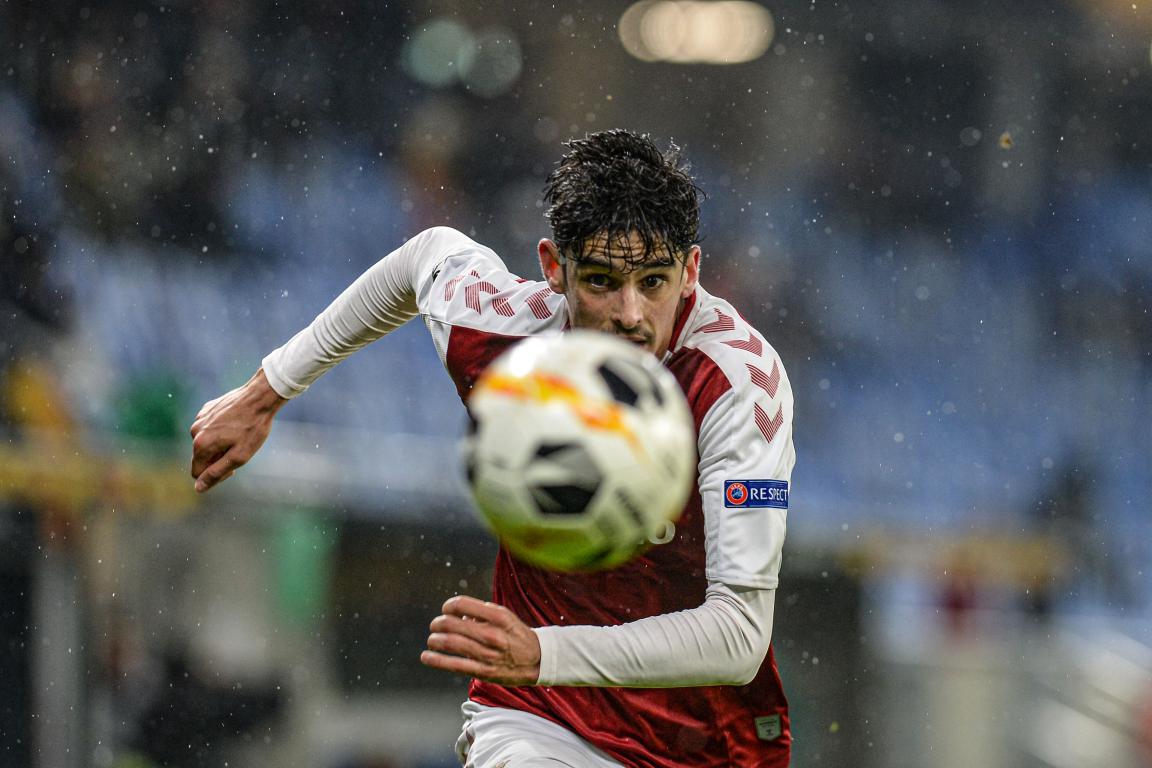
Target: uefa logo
column 736, row 493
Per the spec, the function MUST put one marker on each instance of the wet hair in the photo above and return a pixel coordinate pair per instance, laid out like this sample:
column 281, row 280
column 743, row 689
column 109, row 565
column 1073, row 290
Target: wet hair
column 616, row 183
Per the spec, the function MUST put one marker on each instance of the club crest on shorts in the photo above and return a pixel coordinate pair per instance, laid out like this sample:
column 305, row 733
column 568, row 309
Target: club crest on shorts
column 756, row 493
column 768, row 728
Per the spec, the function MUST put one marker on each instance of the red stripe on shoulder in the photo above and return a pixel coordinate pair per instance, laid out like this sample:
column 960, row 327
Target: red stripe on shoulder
column 538, row 304
column 450, row 287
column 722, row 323
column 701, row 379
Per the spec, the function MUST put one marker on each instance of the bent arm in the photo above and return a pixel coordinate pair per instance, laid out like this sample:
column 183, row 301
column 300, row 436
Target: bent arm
column 722, row 642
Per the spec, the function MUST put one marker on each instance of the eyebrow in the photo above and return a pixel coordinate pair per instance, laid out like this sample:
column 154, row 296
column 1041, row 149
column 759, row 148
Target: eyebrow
column 593, row 262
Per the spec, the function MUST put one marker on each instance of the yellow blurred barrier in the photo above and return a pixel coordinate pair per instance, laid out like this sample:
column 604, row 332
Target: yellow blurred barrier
column 983, row 557
column 62, row 476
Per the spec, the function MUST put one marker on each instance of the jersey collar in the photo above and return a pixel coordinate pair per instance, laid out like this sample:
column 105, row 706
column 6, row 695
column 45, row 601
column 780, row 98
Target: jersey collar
column 688, row 311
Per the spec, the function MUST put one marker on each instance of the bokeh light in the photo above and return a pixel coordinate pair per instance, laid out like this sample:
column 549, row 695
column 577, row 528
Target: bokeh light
column 487, row 62
column 497, row 64
column 692, row 32
column 437, row 53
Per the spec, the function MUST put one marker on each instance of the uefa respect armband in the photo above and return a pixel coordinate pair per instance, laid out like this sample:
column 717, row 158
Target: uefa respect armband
column 756, row 493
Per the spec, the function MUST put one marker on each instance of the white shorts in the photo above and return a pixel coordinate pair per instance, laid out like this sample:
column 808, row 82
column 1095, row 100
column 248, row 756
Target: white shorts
column 494, row 737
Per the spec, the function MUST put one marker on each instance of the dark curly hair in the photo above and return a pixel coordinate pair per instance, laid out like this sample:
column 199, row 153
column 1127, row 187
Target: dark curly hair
column 616, row 183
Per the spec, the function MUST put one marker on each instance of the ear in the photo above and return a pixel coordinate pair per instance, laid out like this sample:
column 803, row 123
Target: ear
column 551, row 266
column 691, row 272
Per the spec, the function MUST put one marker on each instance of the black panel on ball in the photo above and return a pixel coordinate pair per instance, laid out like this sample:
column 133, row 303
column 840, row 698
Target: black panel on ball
column 622, row 391
column 562, row 499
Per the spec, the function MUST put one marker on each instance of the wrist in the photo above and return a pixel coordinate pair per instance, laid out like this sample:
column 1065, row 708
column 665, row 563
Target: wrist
column 263, row 396
column 546, row 663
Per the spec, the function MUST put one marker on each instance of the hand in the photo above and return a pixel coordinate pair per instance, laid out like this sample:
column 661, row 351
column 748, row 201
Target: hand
column 483, row 640
column 230, row 429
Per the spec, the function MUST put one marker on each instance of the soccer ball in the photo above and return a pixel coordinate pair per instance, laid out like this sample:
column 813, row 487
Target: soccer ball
column 582, row 450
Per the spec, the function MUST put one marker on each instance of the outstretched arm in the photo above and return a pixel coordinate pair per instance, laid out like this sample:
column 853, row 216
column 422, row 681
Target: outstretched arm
column 377, row 303
column 230, row 429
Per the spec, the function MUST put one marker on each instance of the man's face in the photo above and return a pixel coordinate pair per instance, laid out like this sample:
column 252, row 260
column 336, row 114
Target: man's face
column 638, row 303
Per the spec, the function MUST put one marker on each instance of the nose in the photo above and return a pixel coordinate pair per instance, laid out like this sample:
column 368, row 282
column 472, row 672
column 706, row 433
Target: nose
column 629, row 314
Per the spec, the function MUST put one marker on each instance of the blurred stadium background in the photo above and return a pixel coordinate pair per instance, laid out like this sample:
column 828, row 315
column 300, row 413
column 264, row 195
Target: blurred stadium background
column 940, row 212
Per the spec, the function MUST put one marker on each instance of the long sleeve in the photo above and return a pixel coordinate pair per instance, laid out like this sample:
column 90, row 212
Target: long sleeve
column 722, row 642
column 378, row 302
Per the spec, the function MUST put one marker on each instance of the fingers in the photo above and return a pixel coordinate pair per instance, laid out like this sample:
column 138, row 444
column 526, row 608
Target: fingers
column 461, row 645
column 203, row 414
column 483, row 640
column 458, row 664
column 469, row 607
column 205, row 454
column 479, row 632
column 207, row 446
column 464, row 631
column 220, row 471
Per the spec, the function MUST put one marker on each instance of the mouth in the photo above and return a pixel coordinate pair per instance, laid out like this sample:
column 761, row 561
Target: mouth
column 640, row 341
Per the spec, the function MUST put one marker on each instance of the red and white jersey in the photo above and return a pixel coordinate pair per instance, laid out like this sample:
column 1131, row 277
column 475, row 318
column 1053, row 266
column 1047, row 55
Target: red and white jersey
column 731, row 531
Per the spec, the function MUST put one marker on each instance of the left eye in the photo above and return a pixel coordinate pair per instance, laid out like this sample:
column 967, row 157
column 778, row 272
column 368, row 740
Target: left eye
column 653, row 281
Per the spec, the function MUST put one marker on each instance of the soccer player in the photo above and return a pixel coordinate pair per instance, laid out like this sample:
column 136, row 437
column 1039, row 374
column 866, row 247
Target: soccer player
column 666, row 660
